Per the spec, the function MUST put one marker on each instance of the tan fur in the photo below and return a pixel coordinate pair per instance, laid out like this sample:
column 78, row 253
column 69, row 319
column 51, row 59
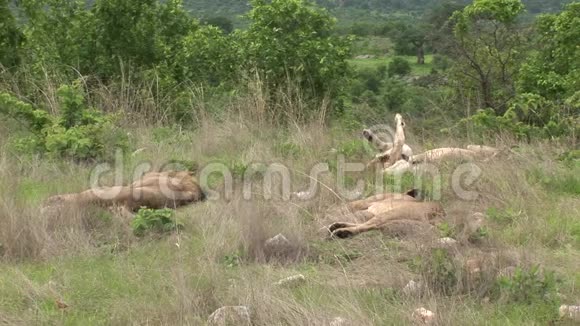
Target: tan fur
column 440, row 154
column 397, row 152
column 385, row 148
column 382, row 210
column 486, row 150
column 394, row 156
column 153, row 190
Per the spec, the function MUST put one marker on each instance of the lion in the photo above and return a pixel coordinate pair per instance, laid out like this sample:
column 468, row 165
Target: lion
column 153, row 190
column 383, row 210
column 385, row 148
column 397, row 157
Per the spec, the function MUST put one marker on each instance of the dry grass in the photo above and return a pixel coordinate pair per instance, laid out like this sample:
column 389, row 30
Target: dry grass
column 90, row 260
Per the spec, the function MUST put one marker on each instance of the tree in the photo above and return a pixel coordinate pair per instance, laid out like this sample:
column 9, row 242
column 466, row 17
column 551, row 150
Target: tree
column 411, row 38
column 292, row 40
column 554, row 70
column 223, row 23
column 125, row 34
column 10, row 37
column 206, row 55
column 58, row 34
column 488, row 49
column 399, row 66
column 440, row 33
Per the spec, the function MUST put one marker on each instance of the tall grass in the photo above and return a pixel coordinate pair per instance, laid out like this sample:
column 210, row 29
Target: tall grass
column 90, row 260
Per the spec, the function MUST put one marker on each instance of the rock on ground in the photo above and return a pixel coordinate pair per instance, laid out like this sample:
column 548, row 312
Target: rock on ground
column 423, row 316
column 230, row 315
column 447, row 242
column 338, row 321
column 277, row 241
column 292, row 281
column 413, row 288
column 570, row 312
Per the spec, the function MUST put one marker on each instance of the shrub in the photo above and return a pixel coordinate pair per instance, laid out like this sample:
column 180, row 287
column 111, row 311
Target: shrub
column 154, row 220
column 232, row 260
column 371, row 78
column 394, row 94
column 523, row 121
column 288, row 149
column 78, row 132
column 221, row 22
column 439, row 271
column 566, row 181
column 528, row 286
column 502, row 217
column 354, row 148
column 399, row 66
column 479, row 235
column 205, row 55
column 293, row 40
column 10, row 37
column 446, row 230
column 441, row 62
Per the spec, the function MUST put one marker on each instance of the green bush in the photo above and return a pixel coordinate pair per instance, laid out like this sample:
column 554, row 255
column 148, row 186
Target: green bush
column 446, row 230
column 528, row 117
column 354, row 149
column 566, row 181
column 288, row 149
column 441, row 62
column 10, row 37
column 528, row 286
column 439, row 271
column 154, row 220
column 78, row 132
column 206, row 55
column 221, row 22
column 293, row 41
column 399, row 67
column 232, row 260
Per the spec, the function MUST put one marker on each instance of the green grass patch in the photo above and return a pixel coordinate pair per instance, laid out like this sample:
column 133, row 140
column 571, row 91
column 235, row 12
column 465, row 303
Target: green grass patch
column 564, row 181
column 416, row 69
column 32, row 192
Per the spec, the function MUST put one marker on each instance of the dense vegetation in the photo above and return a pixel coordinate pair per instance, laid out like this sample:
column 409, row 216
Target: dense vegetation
column 128, row 82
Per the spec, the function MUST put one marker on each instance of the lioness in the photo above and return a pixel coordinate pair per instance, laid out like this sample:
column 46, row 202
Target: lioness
column 385, row 148
column 153, row 190
column 382, row 210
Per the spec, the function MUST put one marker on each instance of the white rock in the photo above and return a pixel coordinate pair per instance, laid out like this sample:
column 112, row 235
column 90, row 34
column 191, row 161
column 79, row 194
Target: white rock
column 508, row 272
column 278, row 240
column 447, row 241
column 424, row 316
column 338, row 321
column 303, row 195
column 412, row 288
column 230, row 315
column 570, row 312
column 294, row 280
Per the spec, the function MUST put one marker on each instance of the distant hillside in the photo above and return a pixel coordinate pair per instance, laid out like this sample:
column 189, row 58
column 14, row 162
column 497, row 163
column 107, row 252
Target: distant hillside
column 217, row 8
column 533, row 6
column 234, row 8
